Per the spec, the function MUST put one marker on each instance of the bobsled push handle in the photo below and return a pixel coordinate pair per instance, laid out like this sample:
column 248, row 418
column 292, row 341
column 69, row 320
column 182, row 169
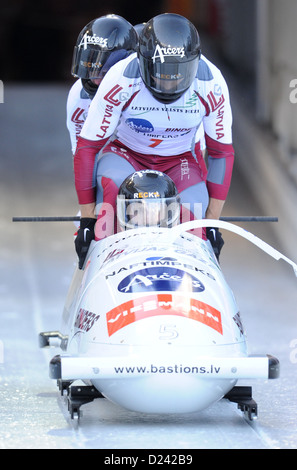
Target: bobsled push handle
column 176, row 231
column 76, row 218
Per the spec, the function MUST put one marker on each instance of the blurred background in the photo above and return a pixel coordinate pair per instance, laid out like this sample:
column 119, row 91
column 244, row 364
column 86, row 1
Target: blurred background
column 252, row 41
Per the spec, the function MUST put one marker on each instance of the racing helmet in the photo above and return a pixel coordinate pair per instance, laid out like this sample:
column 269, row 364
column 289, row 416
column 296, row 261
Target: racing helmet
column 169, row 52
column 148, row 198
column 139, row 27
column 101, row 43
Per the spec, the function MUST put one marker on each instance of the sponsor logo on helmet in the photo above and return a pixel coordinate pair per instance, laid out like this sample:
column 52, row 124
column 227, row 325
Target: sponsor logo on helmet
column 94, row 40
column 167, row 76
column 162, row 52
column 147, row 194
column 92, row 65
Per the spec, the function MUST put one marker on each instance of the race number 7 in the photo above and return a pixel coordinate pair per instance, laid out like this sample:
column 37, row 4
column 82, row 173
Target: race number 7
column 155, row 142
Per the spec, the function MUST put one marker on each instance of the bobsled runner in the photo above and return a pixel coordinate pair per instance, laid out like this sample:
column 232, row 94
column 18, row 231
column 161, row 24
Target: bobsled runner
column 151, row 324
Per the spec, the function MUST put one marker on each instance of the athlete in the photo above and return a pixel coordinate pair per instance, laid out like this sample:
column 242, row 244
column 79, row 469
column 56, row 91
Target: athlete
column 147, row 198
column 101, row 43
column 145, row 115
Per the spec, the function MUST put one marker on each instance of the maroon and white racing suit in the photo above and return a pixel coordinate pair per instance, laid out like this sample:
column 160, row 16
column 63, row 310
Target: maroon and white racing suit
column 77, row 108
column 127, row 129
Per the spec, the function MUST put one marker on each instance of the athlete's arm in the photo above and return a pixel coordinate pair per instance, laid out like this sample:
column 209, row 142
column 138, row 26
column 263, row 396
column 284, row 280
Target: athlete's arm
column 214, row 209
column 101, row 123
column 218, row 136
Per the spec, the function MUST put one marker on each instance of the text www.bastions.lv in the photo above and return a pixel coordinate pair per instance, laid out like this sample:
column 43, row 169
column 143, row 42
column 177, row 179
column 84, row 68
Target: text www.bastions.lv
column 169, row 369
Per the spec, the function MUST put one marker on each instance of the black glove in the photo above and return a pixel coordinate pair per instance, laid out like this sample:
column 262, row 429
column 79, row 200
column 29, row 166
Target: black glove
column 85, row 234
column 216, row 240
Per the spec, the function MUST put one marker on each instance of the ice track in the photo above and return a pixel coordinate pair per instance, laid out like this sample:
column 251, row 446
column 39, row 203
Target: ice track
column 37, row 262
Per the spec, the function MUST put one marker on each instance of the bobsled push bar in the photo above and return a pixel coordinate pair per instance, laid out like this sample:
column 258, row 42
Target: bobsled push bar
column 179, row 229
column 249, row 218
column 223, row 222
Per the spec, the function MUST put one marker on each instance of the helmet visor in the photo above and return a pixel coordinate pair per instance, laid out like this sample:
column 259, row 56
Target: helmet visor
column 168, row 78
column 161, row 212
column 94, row 63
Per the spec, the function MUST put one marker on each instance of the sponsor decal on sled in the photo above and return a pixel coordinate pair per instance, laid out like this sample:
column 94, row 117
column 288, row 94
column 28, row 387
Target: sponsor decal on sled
column 85, row 320
column 162, row 304
column 160, row 279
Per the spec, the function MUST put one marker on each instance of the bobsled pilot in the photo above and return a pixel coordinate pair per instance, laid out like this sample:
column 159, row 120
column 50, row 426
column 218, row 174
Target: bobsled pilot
column 101, row 43
column 145, row 115
column 147, row 198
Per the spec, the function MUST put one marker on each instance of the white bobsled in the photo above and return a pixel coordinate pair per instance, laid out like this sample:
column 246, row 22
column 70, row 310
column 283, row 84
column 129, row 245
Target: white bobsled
column 151, row 324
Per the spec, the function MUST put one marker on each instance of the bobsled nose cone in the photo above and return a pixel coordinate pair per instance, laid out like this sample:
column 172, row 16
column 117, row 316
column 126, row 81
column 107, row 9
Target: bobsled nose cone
column 163, row 396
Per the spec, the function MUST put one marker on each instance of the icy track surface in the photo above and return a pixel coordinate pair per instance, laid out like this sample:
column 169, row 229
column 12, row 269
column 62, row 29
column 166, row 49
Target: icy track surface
column 37, row 261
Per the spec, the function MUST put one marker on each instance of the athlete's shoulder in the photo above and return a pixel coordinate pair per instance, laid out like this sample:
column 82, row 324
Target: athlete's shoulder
column 127, row 68
column 207, row 71
column 77, row 92
column 132, row 68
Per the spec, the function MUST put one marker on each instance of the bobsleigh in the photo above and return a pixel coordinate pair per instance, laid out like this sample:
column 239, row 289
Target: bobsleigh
column 151, row 324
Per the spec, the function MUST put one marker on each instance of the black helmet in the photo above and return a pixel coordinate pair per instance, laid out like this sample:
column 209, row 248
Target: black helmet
column 101, row 43
column 148, row 198
column 139, row 27
column 169, row 52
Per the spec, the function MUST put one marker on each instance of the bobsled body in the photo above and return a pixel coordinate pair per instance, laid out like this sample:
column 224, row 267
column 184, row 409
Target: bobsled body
column 153, row 324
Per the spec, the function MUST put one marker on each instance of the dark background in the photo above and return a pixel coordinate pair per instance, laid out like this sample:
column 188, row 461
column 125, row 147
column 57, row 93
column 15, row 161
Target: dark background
column 37, row 38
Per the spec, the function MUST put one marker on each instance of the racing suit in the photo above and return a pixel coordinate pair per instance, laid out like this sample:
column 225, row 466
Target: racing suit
column 127, row 129
column 78, row 103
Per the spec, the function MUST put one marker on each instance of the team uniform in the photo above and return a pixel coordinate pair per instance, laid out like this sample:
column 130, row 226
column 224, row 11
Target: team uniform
column 78, row 103
column 129, row 130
